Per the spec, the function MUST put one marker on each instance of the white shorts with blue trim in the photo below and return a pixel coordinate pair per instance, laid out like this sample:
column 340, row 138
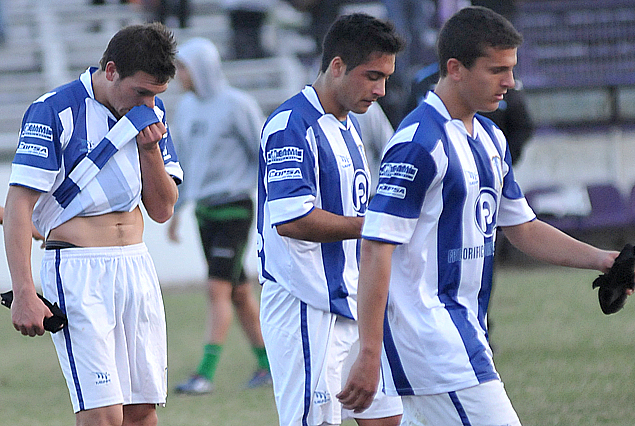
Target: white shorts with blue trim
column 486, row 404
column 114, row 350
column 310, row 353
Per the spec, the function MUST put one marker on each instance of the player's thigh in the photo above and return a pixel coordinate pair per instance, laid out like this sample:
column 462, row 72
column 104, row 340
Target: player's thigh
column 486, row 404
column 384, row 409
column 296, row 338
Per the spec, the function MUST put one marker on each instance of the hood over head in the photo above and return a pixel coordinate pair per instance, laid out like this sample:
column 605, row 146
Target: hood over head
column 201, row 58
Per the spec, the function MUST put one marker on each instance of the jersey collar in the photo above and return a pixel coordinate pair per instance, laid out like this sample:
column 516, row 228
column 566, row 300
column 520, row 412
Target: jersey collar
column 86, row 79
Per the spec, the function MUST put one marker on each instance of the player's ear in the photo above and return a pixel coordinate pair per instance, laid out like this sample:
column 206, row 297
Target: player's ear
column 454, row 67
column 111, row 71
column 337, row 66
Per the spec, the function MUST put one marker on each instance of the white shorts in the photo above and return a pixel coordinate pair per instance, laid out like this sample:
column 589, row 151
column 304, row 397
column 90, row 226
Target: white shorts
column 486, row 404
column 310, row 353
column 114, row 350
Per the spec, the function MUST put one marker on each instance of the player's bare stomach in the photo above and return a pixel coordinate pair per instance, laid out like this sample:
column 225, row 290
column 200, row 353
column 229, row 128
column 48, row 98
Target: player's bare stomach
column 107, row 230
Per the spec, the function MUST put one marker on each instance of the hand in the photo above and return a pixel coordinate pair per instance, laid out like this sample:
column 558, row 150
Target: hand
column 28, row 313
column 361, row 385
column 148, row 138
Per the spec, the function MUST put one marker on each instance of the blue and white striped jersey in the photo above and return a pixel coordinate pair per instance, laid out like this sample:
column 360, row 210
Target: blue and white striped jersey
column 61, row 128
column 440, row 196
column 309, row 159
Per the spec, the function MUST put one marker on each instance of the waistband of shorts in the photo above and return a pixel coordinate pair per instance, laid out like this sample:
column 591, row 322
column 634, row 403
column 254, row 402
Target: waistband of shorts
column 99, row 252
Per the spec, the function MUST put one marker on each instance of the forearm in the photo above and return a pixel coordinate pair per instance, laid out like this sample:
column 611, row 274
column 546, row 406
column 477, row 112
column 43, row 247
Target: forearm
column 546, row 243
column 322, row 227
column 159, row 191
column 17, row 238
column 372, row 295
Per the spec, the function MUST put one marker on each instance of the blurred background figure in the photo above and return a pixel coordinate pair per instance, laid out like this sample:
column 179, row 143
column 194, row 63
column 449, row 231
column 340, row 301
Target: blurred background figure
column 166, row 8
column 247, row 18
column 217, row 130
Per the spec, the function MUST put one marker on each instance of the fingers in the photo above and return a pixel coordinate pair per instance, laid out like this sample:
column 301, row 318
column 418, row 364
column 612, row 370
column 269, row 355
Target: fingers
column 151, row 135
column 355, row 399
column 31, row 330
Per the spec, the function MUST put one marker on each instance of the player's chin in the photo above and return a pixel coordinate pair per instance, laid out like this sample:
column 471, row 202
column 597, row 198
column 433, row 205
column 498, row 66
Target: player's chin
column 362, row 107
column 489, row 107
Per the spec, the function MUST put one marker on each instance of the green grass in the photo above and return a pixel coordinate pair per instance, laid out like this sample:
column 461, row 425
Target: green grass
column 563, row 362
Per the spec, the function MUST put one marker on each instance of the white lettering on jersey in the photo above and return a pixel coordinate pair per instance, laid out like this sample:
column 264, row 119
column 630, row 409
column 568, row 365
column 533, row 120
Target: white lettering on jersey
column 399, row 170
column 287, row 153
column 38, row 131
column 392, row 191
column 284, row 174
column 33, row 149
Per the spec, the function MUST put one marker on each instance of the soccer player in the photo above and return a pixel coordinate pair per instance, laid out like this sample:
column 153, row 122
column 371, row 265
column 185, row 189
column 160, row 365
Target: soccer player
column 216, row 132
column 445, row 184
column 312, row 196
column 89, row 152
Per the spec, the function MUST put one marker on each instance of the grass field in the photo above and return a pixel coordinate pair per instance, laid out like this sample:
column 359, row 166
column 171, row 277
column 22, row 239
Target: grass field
column 563, row 362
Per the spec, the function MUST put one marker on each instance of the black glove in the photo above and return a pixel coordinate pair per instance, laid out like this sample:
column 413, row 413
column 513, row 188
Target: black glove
column 613, row 285
column 53, row 324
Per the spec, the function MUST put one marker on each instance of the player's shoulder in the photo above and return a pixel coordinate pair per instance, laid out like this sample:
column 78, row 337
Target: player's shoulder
column 295, row 114
column 424, row 127
column 62, row 97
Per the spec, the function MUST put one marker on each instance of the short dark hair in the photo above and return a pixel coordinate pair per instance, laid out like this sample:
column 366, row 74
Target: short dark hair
column 150, row 48
column 471, row 30
column 355, row 37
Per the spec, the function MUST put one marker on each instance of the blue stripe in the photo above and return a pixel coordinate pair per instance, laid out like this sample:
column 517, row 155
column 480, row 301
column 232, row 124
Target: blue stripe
column 487, row 180
column 459, row 409
column 450, row 237
column 402, row 384
column 260, row 217
column 361, row 190
column 306, row 348
column 65, row 193
column 67, row 333
column 141, row 117
column 333, row 255
column 102, row 153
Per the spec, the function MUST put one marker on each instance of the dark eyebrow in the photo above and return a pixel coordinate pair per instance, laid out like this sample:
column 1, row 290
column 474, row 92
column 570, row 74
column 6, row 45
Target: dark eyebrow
column 377, row 74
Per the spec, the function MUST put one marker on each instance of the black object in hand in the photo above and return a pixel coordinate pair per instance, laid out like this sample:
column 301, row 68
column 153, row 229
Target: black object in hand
column 613, row 284
column 53, row 324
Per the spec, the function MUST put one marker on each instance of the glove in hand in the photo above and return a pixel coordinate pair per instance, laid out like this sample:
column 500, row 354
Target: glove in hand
column 613, row 284
column 53, row 324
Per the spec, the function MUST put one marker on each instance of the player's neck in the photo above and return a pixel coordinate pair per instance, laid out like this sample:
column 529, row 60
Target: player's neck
column 456, row 107
column 326, row 94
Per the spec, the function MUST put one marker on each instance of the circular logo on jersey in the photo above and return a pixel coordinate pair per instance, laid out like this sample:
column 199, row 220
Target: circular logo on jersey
column 259, row 243
column 360, row 191
column 485, row 214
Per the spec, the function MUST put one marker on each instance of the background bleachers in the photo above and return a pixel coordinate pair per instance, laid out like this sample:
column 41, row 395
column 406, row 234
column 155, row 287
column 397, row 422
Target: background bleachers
column 577, row 62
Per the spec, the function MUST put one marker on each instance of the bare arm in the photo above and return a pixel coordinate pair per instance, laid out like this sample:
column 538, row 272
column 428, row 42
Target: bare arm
column 544, row 242
column 322, row 227
column 372, row 294
column 27, row 310
column 159, row 192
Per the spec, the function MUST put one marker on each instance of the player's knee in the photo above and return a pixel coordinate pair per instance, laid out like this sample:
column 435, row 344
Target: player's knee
column 140, row 415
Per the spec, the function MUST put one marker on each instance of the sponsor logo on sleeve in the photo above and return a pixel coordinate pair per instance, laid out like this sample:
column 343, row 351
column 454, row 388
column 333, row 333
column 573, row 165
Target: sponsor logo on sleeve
column 398, row 170
column 394, row 191
column 284, row 174
column 38, row 131
column 287, row 153
column 32, row 149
